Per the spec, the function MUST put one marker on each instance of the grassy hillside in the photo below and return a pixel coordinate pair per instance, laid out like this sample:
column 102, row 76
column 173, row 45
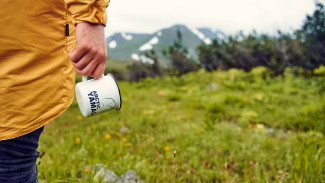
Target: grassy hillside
column 224, row 127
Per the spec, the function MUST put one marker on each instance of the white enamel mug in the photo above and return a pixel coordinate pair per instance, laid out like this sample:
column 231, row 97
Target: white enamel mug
column 96, row 96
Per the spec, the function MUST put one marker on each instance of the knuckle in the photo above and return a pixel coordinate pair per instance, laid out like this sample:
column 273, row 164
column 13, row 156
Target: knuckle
column 93, row 50
column 102, row 56
column 99, row 55
column 85, row 47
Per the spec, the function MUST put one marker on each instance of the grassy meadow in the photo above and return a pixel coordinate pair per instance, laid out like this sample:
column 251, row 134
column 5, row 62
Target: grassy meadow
column 224, row 126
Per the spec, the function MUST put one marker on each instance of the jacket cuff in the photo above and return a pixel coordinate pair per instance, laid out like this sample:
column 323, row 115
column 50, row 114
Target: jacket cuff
column 89, row 12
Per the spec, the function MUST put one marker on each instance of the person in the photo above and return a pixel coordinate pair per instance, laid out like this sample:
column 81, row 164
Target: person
column 41, row 44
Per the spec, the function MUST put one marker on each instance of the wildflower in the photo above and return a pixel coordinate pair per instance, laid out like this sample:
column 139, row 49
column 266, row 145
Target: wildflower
column 77, row 141
column 282, row 174
column 79, row 118
column 124, row 130
column 86, row 171
column 107, row 136
column 167, row 148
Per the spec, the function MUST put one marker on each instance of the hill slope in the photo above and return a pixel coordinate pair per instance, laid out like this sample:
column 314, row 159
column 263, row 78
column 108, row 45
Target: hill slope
column 130, row 46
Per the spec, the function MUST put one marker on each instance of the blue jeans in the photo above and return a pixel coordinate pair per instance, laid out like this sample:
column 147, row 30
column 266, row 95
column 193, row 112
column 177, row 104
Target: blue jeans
column 18, row 158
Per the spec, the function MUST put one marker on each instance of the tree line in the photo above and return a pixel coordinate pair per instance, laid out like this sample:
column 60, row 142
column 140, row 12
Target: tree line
column 304, row 48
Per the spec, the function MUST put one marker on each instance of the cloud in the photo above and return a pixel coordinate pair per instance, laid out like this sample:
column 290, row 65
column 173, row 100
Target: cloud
column 229, row 16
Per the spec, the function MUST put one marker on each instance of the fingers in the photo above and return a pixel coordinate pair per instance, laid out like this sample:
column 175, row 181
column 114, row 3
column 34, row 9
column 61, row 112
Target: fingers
column 93, row 68
column 87, row 70
column 98, row 71
column 83, row 61
column 77, row 53
column 95, row 71
column 88, row 61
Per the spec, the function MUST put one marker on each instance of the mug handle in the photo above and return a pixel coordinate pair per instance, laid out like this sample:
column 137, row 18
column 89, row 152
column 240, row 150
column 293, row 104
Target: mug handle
column 85, row 78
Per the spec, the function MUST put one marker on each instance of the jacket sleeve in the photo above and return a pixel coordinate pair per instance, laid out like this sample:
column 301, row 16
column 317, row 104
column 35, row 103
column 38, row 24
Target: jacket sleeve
column 93, row 11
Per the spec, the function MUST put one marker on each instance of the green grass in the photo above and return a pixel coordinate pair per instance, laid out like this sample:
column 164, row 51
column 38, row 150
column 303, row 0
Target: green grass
column 224, row 126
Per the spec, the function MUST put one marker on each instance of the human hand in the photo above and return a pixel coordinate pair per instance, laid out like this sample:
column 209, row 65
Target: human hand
column 89, row 55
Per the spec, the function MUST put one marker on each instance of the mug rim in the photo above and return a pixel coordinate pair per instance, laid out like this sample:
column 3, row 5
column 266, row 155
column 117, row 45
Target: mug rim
column 118, row 88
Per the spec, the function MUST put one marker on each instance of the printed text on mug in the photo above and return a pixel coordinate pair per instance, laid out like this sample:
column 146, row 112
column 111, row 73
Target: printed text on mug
column 94, row 102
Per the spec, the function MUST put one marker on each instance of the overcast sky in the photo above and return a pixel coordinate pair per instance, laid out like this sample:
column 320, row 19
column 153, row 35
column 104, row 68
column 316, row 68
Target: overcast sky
column 230, row 16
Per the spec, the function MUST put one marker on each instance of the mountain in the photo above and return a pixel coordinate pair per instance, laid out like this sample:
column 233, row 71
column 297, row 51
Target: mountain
column 131, row 46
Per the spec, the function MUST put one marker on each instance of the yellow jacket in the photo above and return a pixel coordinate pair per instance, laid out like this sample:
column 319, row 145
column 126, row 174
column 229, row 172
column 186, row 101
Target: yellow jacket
column 36, row 75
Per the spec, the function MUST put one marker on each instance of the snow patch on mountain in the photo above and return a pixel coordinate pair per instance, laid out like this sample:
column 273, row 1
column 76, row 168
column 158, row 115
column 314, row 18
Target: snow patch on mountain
column 198, row 33
column 201, row 36
column 135, row 57
column 126, row 36
column 149, row 44
column 154, row 40
column 145, row 59
column 112, row 44
column 145, row 47
column 207, row 41
column 141, row 58
column 221, row 35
